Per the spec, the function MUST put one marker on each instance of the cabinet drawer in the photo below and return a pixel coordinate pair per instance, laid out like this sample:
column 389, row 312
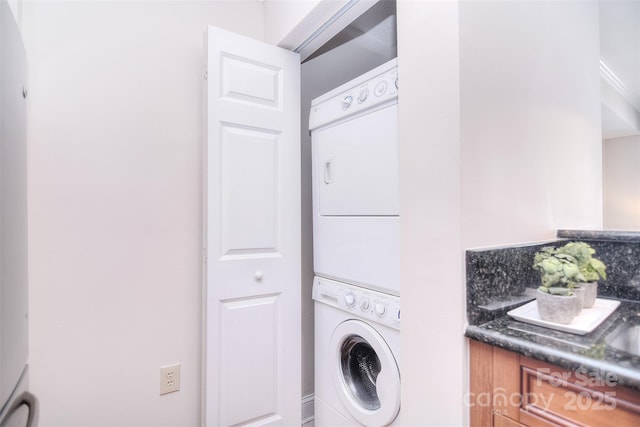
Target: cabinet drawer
column 555, row 396
column 502, row 421
column 507, row 390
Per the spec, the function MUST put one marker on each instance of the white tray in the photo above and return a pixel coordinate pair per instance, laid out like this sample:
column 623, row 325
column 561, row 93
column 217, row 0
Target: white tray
column 585, row 322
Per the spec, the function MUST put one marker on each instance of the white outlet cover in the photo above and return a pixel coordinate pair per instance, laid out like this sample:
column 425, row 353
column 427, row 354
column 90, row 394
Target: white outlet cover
column 169, row 378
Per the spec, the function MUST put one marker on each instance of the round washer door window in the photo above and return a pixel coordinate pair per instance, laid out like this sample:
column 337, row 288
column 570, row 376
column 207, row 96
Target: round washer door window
column 366, row 375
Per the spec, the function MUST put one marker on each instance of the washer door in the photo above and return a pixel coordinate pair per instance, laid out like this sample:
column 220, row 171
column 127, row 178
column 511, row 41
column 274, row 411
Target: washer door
column 366, row 374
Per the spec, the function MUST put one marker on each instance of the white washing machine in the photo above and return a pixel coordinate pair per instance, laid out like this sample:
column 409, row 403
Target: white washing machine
column 357, row 356
column 354, row 137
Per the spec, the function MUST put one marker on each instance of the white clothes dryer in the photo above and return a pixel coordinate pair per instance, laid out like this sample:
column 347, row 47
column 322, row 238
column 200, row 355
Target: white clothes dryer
column 355, row 181
column 357, row 356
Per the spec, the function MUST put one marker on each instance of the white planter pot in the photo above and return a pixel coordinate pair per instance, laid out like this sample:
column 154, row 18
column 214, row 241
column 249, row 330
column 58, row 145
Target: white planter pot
column 581, row 293
column 590, row 290
column 557, row 308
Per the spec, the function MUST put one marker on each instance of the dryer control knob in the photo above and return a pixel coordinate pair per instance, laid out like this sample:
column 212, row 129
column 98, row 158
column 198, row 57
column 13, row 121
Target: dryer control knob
column 346, row 102
column 381, row 88
column 350, row 300
column 364, row 305
column 380, row 309
column 364, row 94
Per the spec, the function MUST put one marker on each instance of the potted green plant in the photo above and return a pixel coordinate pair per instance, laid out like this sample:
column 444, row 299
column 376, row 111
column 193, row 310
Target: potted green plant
column 556, row 299
column 591, row 269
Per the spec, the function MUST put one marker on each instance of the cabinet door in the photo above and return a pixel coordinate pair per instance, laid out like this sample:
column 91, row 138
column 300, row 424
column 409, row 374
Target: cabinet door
column 252, row 237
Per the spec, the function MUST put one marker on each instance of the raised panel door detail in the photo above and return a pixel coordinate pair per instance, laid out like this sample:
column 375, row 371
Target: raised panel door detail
column 249, row 368
column 249, row 164
column 250, row 81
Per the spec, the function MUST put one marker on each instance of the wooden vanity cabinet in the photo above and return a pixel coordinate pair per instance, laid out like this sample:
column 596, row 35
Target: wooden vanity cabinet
column 508, row 390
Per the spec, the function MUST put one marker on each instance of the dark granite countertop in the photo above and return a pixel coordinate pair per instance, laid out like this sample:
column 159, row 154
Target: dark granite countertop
column 501, row 279
column 600, row 235
column 590, row 352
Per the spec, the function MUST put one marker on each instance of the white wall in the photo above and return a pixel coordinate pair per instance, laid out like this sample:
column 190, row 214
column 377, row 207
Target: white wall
column 620, row 43
column 499, row 144
column 531, row 145
column 433, row 346
column 16, row 9
column 115, row 205
column 282, row 16
column 620, row 51
column 622, row 183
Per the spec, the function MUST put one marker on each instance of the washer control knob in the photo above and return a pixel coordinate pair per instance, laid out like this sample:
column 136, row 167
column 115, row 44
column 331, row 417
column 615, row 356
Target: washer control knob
column 380, row 309
column 364, row 94
column 381, row 88
column 346, row 102
column 396, row 82
column 350, row 300
column 365, row 305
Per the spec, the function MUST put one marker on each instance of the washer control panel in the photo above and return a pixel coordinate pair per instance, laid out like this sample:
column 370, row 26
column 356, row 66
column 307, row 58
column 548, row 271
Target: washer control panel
column 366, row 303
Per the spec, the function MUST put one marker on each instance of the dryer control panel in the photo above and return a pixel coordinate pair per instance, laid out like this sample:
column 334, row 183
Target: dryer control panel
column 366, row 303
column 373, row 89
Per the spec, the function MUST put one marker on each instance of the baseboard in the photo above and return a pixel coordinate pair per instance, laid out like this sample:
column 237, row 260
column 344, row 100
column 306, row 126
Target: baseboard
column 307, row 408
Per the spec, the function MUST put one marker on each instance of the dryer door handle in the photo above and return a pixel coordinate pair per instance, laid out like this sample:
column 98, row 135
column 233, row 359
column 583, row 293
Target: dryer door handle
column 328, row 171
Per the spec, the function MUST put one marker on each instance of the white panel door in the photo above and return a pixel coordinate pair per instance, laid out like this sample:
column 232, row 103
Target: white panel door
column 252, row 233
column 13, row 205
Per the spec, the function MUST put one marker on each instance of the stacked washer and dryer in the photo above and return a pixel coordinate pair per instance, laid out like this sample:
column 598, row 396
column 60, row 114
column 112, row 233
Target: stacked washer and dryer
column 356, row 251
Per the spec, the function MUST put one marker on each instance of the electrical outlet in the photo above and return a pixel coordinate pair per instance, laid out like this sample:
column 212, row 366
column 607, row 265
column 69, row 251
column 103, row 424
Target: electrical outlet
column 169, row 378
